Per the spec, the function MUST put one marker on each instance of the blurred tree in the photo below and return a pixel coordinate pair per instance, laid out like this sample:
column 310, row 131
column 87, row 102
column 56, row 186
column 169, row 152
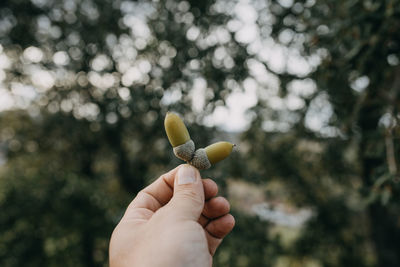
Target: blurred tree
column 91, row 81
column 339, row 150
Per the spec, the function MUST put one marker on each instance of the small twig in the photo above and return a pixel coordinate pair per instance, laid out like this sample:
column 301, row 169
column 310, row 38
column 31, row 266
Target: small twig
column 390, row 155
column 390, row 149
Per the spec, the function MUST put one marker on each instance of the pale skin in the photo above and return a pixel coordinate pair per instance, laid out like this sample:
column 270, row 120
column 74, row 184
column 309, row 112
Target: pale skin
column 175, row 221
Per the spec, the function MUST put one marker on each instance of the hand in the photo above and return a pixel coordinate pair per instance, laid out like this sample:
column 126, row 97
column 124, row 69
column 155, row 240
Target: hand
column 175, row 221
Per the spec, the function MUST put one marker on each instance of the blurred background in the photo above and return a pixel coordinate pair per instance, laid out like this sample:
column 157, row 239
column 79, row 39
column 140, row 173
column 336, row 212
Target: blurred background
column 309, row 90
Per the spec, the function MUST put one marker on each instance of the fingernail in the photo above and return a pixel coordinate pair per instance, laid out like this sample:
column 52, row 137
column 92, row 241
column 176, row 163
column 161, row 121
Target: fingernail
column 186, row 175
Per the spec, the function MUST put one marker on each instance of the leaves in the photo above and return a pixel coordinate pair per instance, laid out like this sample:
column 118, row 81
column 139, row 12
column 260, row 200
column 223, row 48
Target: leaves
column 92, row 80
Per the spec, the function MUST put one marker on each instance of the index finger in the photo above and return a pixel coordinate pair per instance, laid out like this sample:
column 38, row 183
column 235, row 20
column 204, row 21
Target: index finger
column 160, row 192
column 157, row 194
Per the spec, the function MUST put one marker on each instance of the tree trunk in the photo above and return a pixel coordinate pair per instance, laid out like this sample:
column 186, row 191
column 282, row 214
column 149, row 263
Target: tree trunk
column 385, row 230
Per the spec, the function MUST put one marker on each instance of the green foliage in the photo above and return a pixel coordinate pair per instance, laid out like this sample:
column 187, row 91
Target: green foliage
column 352, row 180
column 91, row 134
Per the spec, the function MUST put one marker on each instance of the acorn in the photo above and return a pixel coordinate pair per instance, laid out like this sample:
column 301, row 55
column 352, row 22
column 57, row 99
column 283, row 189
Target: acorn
column 179, row 137
column 205, row 157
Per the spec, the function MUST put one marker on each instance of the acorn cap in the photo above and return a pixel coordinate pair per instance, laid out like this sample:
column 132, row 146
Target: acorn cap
column 204, row 157
column 200, row 159
column 186, row 151
column 218, row 151
column 176, row 130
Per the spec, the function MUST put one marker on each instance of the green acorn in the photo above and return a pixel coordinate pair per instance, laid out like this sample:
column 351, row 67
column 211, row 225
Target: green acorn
column 179, row 137
column 205, row 157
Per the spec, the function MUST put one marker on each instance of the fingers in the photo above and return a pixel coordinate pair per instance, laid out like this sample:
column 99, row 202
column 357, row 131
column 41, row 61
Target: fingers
column 210, row 191
column 160, row 192
column 188, row 199
column 220, row 227
column 217, row 229
column 210, row 188
column 156, row 194
column 216, row 207
column 203, row 220
column 216, row 221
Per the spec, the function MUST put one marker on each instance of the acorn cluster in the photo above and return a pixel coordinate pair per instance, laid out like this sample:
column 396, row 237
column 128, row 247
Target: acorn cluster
column 184, row 147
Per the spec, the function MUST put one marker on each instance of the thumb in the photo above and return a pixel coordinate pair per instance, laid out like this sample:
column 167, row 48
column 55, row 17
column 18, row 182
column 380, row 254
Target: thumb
column 188, row 200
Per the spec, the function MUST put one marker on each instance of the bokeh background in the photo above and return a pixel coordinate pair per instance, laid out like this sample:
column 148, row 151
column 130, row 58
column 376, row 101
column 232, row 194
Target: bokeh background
column 309, row 90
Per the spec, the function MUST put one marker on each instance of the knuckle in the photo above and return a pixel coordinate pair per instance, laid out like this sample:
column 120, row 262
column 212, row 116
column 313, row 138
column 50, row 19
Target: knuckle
column 192, row 196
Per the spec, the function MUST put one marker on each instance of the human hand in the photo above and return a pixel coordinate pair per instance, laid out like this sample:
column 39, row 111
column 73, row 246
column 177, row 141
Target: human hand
column 175, row 221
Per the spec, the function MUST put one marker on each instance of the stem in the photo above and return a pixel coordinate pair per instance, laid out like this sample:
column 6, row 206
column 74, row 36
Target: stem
column 390, row 155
